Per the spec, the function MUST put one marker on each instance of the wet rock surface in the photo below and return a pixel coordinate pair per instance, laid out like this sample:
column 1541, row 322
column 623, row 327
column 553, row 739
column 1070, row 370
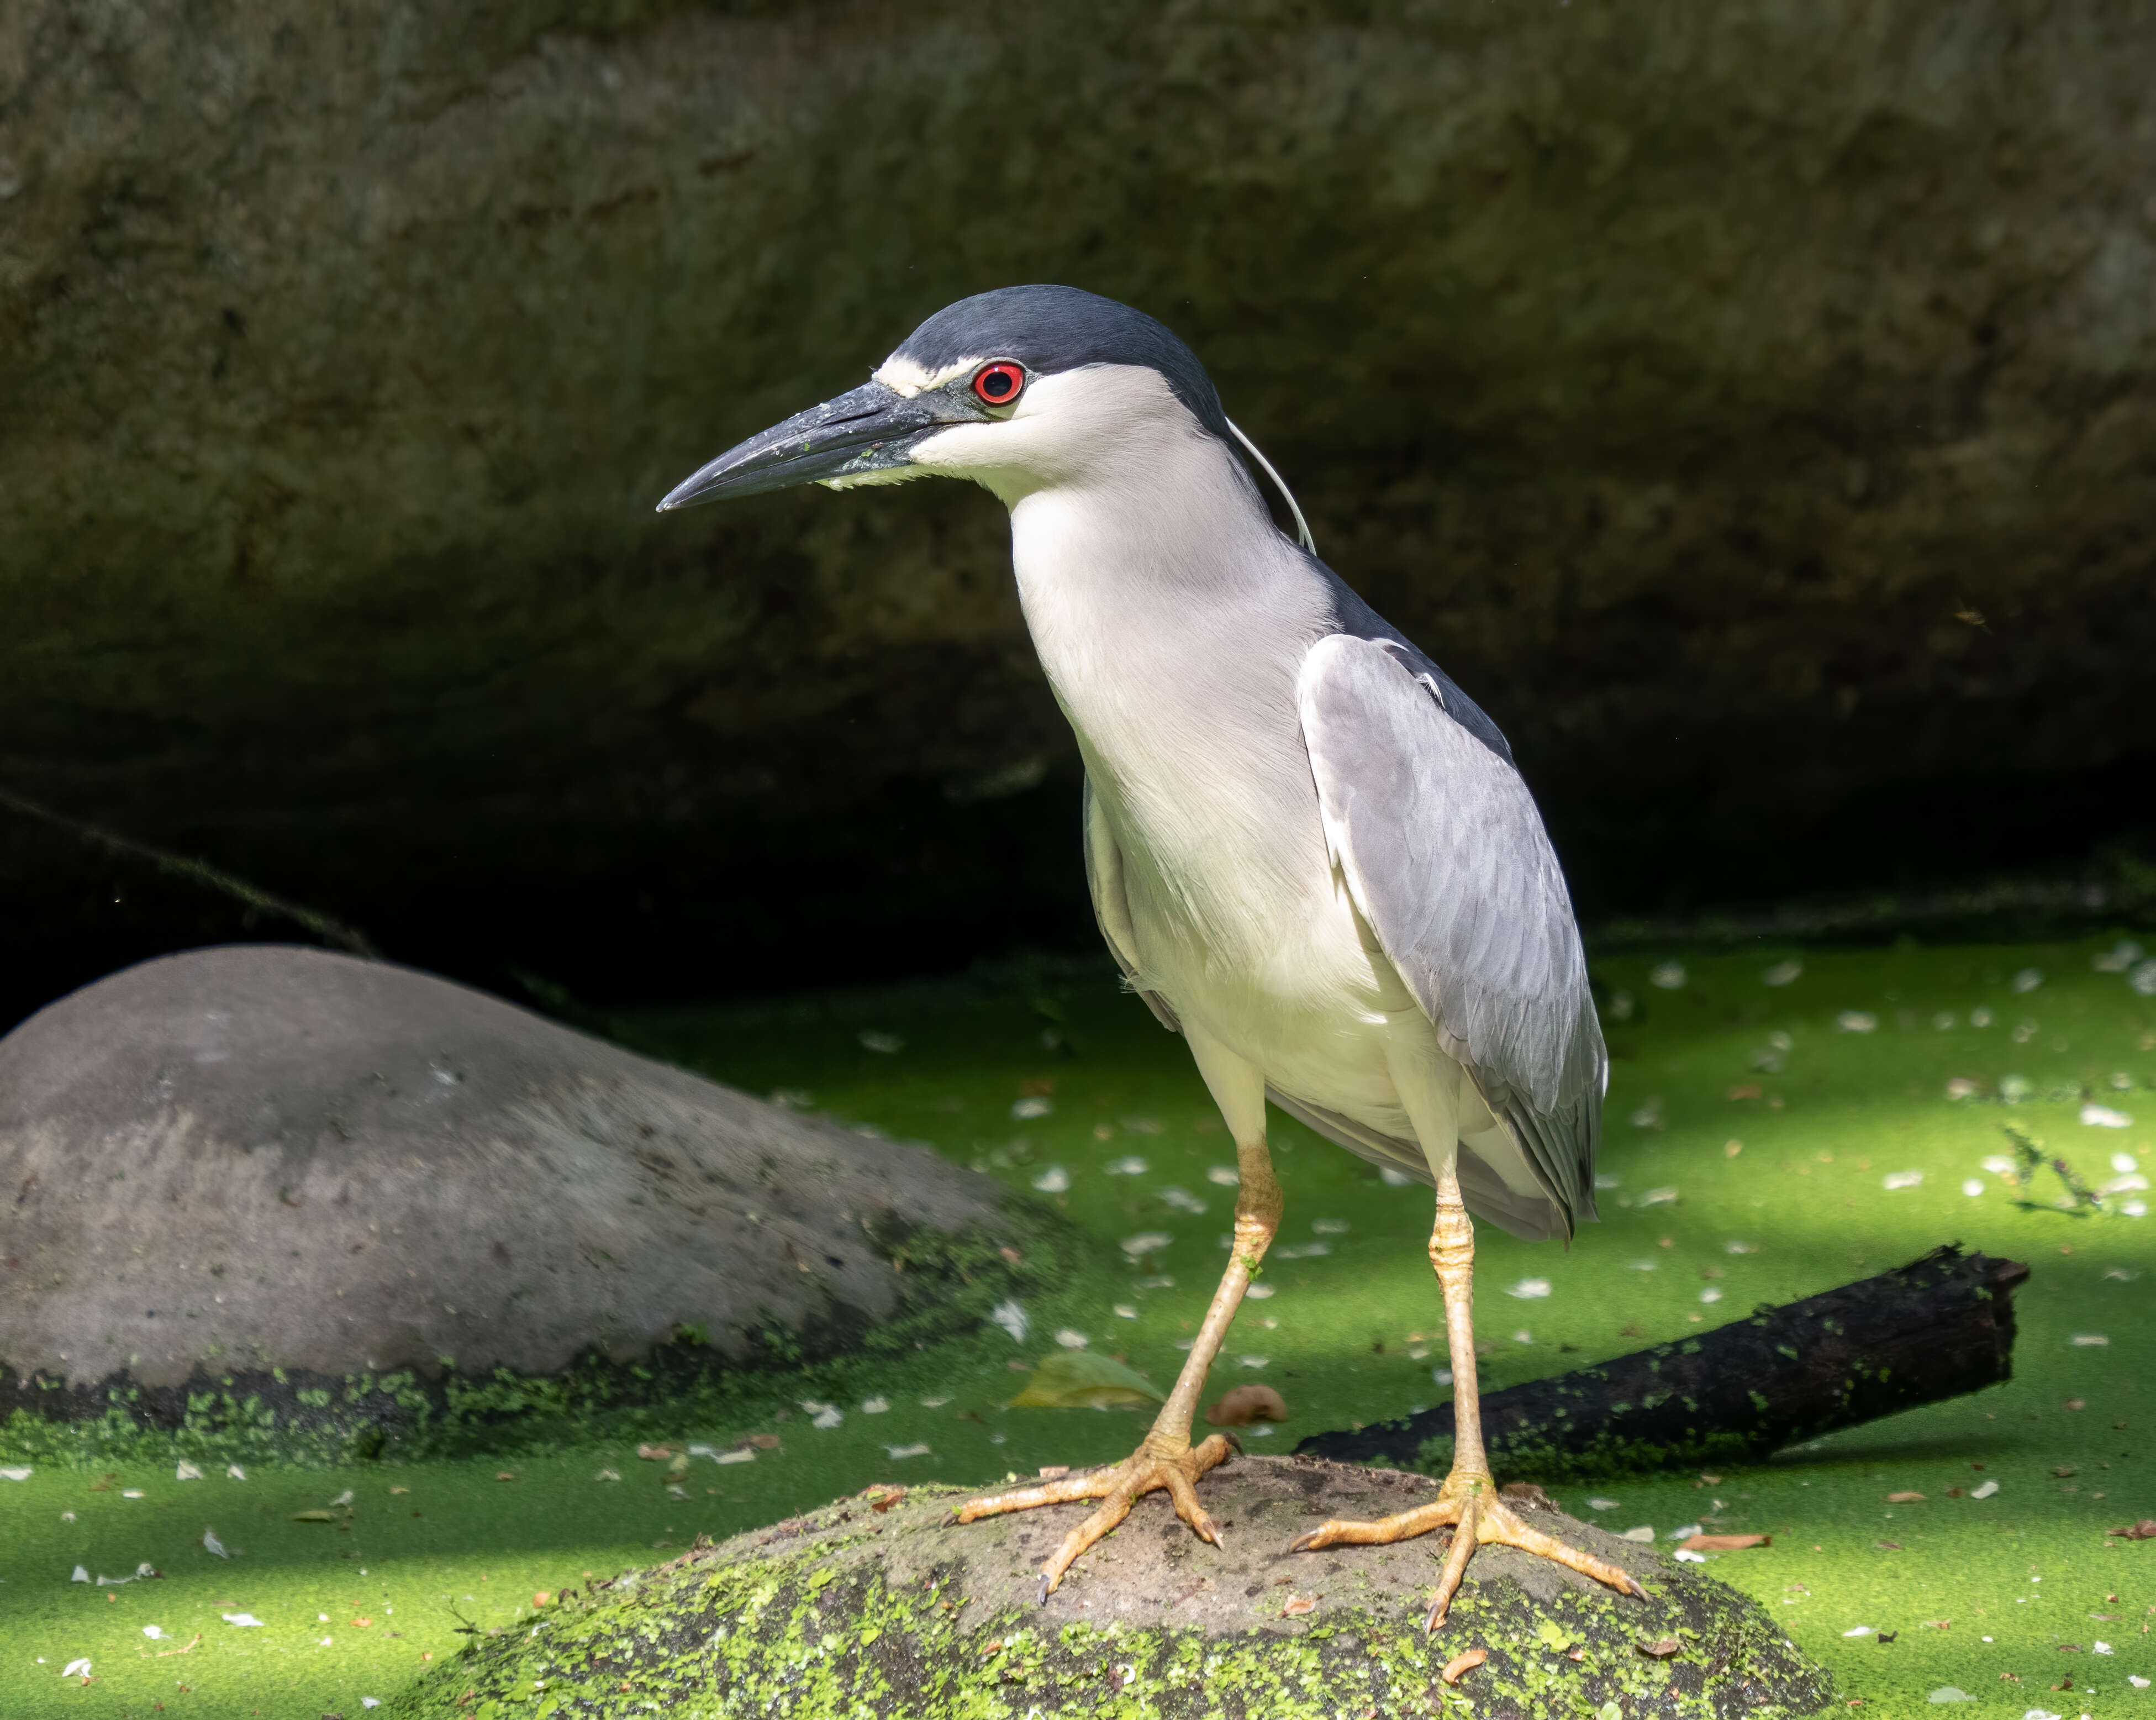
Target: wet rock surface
column 258, row 1157
column 882, row 1605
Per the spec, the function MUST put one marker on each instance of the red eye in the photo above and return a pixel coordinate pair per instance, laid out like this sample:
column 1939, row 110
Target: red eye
column 998, row 384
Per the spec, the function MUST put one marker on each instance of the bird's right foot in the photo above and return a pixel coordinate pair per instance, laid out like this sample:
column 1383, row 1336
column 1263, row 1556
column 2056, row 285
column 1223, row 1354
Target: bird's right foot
column 1172, row 1467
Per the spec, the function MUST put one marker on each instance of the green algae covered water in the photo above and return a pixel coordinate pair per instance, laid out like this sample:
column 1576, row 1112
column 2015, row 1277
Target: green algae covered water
column 1778, row 1123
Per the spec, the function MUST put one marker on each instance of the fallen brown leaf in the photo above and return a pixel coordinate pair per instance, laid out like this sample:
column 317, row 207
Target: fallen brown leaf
column 364, row 1623
column 1010, row 1254
column 1746, row 1090
column 1956, row 1493
column 1726, row 1544
column 1938, row 1623
column 1244, row 1404
column 505, row 1475
column 1888, row 1546
column 2145, row 1530
column 1661, row 1648
column 1903, row 1498
column 1460, row 1666
column 1297, row 1604
column 885, row 1503
column 1527, row 1494
column 1712, row 1480
column 762, row 1442
column 654, row 1454
column 541, row 1596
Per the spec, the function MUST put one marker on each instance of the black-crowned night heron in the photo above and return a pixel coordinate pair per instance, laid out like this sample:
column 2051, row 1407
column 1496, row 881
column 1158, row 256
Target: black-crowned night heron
column 1309, row 850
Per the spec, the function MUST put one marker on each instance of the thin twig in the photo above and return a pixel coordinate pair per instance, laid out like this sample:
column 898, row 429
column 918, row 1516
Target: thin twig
column 180, row 865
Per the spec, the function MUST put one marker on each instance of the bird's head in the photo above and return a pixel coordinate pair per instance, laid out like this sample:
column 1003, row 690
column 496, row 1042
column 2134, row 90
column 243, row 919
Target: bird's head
column 1017, row 389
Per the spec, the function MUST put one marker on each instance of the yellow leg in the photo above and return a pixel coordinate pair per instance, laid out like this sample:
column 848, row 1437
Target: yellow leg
column 1165, row 1459
column 1468, row 1501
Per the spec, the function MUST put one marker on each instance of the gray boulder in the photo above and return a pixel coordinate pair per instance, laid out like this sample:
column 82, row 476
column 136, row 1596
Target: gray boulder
column 258, row 1157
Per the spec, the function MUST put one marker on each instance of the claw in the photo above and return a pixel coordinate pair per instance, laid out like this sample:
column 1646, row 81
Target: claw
column 1046, row 1589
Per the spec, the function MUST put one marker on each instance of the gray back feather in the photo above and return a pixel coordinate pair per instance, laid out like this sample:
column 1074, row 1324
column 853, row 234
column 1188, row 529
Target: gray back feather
column 1447, row 859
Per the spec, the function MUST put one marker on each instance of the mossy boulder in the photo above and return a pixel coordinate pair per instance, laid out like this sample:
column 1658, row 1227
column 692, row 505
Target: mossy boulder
column 265, row 1184
column 882, row 1605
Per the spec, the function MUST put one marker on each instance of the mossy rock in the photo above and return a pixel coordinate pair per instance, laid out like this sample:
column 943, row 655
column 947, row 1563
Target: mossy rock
column 882, row 1606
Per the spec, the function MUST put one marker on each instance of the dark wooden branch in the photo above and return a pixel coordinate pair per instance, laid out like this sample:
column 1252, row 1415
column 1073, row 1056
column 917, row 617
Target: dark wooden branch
column 1935, row 1328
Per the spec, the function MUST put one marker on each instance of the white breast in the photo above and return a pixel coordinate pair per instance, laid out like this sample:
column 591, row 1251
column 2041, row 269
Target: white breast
column 1173, row 641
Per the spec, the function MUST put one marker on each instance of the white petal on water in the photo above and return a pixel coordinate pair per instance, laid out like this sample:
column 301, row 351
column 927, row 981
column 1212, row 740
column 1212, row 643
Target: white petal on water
column 1603, row 1179
column 2100, row 1648
column 187, row 1471
column 828, row 1417
column 1972, row 1186
column 739, row 1453
column 1782, row 972
column 1856, row 1021
column 1902, row 1179
column 1601, row 1504
column 1329, row 1227
column 1949, row 1693
column 1642, row 1265
column 1159, row 1280
column 1441, row 1376
column 2135, row 1209
column 2124, row 1162
column 1712, row 1293
column 1523, row 1336
column 212, row 1543
column 343, row 1498
column 74, row 1667
column 81, row 1574
column 1649, row 1115
column 933, row 1403
column 233, row 1471
column 1660, row 1197
column 2103, row 1117
column 1181, row 1199
column 2089, row 1340
column 1147, row 1242
column 1253, row 1360
column 1685, row 1556
column 1012, row 1318
column 156, row 1633
column 1226, row 1175
column 1667, row 976
column 1686, row 1533
column 1303, row 1252
column 2000, row 1165
column 1071, row 1338
column 1734, row 1247
column 1641, row 1533
column 2133, row 1184
column 1026, row 1110
column 1862, row 1630
column 244, row 1620
column 1985, row 1491
column 1529, row 1289
column 874, row 1406
column 888, row 1044
column 1260, row 1292
column 1395, row 1178
column 17, row 1474
column 2028, row 979
column 1130, row 1165
column 2142, row 979
column 907, row 1451
column 1054, row 1180
column 1127, row 1310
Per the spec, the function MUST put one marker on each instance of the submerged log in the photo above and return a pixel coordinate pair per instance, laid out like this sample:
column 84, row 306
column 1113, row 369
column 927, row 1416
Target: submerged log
column 1936, row 1328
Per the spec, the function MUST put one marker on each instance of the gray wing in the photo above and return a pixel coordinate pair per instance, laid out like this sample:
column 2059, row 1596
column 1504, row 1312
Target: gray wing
column 1446, row 858
column 1111, row 907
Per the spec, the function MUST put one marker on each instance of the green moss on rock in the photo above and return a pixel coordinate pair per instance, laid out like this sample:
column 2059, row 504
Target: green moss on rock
column 882, row 1605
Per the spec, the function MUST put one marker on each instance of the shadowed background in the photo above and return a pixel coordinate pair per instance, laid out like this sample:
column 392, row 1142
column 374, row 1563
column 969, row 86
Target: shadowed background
column 1751, row 407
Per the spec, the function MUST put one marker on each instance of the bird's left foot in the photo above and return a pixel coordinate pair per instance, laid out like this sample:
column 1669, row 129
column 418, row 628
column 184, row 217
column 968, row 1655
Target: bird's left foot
column 1153, row 1464
column 1471, row 1506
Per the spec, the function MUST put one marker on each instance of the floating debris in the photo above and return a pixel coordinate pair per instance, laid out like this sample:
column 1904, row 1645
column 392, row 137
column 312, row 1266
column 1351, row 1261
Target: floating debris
column 1783, row 972
column 1529, row 1289
column 1131, row 1165
column 1226, row 1175
column 1856, row 1021
column 1012, row 1318
column 1054, row 1180
column 888, row 1044
column 1902, row 1179
column 1144, row 1243
column 1029, row 1109
column 2027, row 980
column 2103, row 1117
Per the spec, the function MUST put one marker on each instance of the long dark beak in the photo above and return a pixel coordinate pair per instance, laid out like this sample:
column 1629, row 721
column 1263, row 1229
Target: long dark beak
column 867, row 430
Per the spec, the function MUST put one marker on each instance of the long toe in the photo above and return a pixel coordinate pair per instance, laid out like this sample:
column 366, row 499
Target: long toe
column 1500, row 1523
column 1378, row 1532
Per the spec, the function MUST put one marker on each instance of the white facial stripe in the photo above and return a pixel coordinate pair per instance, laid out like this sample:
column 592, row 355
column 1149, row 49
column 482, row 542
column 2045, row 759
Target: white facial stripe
column 902, row 376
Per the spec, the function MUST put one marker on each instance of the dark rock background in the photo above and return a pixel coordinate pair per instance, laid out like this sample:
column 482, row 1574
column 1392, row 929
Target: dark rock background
column 1688, row 379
